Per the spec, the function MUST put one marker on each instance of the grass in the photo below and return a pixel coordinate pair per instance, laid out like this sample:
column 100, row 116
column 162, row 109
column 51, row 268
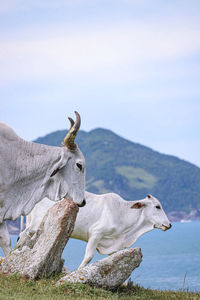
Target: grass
column 13, row 287
column 100, row 185
column 137, row 177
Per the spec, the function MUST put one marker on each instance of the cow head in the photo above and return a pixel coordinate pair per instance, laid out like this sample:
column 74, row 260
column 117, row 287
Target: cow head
column 71, row 174
column 153, row 213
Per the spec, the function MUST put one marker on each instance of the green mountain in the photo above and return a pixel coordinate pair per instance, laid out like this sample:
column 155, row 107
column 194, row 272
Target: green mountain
column 132, row 170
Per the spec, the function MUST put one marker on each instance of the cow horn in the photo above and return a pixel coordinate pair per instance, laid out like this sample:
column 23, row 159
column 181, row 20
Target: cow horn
column 70, row 137
column 72, row 122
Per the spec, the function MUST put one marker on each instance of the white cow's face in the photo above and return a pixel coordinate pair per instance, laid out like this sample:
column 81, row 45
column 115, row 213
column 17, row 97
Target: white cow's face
column 72, row 177
column 153, row 213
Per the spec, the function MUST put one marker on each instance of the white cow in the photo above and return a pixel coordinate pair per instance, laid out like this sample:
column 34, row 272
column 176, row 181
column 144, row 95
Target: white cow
column 30, row 171
column 107, row 222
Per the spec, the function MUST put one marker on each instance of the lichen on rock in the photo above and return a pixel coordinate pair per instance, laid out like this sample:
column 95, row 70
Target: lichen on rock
column 109, row 272
column 40, row 255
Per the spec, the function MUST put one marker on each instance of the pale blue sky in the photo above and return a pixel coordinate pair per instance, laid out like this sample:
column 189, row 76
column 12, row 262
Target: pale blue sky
column 129, row 66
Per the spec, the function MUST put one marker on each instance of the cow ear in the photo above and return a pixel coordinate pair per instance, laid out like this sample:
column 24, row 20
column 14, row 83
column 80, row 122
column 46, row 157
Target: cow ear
column 58, row 163
column 138, row 205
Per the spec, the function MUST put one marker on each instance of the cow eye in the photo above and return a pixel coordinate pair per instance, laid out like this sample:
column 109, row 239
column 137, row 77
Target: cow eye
column 158, row 207
column 79, row 166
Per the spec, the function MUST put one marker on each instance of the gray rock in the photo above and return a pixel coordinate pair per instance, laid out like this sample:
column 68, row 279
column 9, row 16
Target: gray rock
column 65, row 270
column 40, row 255
column 109, row 272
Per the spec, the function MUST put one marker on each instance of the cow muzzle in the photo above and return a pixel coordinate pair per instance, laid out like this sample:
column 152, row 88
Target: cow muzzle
column 82, row 204
column 164, row 227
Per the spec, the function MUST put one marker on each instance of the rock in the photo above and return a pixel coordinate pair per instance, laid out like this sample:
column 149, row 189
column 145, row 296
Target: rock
column 65, row 270
column 40, row 255
column 176, row 216
column 194, row 215
column 109, row 272
column 182, row 216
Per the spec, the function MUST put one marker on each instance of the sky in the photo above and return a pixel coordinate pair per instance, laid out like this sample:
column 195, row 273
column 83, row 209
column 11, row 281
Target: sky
column 131, row 66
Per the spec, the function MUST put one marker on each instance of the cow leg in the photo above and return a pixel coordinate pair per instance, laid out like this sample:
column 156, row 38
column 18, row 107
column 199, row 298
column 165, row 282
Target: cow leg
column 5, row 242
column 90, row 249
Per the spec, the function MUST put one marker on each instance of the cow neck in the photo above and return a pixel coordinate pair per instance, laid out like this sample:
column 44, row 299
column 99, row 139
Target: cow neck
column 136, row 224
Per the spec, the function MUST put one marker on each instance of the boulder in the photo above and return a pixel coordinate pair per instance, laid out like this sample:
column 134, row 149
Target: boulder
column 40, row 255
column 109, row 272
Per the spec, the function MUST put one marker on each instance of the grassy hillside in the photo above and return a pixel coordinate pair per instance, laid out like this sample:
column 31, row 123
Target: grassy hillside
column 12, row 287
column 132, row 170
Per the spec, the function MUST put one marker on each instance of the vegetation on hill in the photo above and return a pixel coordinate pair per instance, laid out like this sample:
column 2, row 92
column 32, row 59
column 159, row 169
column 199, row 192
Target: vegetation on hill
column 133, row 170
column 14, row 287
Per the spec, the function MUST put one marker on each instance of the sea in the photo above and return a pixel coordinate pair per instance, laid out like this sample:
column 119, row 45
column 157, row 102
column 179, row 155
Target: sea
column 171, row 259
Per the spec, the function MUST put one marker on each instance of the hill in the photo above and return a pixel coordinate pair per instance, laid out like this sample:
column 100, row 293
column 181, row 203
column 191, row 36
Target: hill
column 133, row 170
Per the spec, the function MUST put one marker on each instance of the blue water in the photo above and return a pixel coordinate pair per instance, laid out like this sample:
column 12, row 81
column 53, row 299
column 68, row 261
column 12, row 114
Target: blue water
column 171, row 259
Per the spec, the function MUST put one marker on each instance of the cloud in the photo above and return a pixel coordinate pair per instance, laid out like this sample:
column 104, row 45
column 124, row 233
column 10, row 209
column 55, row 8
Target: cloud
column 10, row 6
column 138, row 60
column 126, row 51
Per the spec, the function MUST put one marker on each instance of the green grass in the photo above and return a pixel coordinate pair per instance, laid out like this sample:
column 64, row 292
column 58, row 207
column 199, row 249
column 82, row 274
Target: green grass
column 13, row 287
column 137, row 177
column 99, row 184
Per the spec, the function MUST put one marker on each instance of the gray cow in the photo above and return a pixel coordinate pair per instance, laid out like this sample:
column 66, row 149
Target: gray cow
column 30, row 171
